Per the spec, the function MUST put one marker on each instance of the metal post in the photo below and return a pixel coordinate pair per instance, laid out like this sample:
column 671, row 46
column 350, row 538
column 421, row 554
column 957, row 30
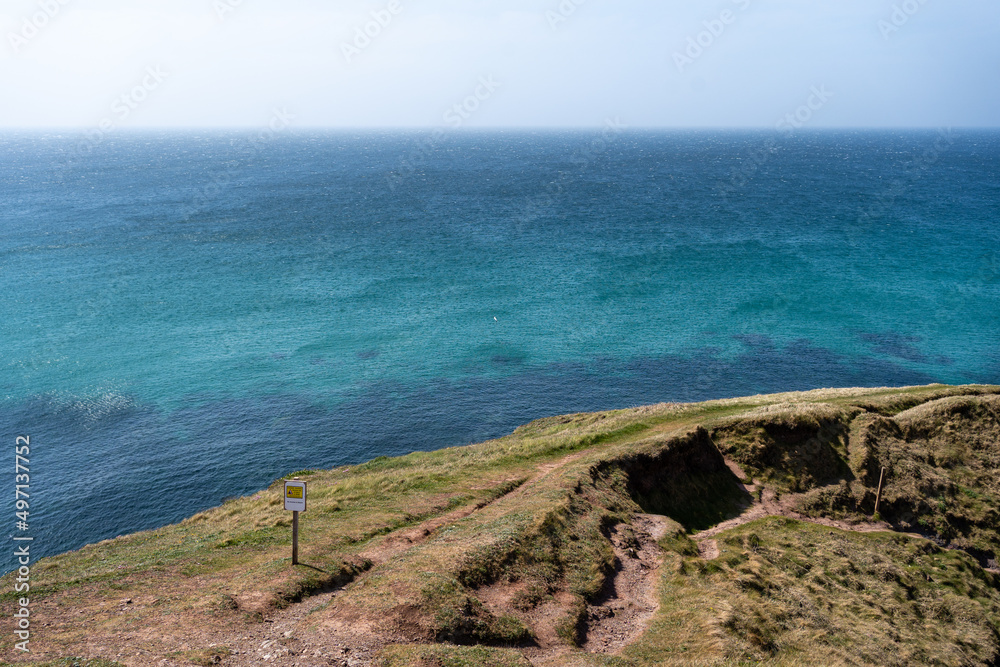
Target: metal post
column 878, row 496
column 295, row 538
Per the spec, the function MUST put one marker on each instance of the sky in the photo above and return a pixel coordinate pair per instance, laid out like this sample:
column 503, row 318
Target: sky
column 499, row 63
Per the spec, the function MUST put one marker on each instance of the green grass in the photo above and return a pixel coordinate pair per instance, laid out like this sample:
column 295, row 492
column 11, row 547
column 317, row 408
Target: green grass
column 541, row 521
column 941, row 461
column 791, row 448
column 783, row 592
column 451, row 656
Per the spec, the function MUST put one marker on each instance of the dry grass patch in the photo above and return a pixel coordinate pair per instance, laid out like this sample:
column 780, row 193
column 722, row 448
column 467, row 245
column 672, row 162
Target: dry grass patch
column 941, row 460
column 451, row 656
column 784, row 593
column 789, row 447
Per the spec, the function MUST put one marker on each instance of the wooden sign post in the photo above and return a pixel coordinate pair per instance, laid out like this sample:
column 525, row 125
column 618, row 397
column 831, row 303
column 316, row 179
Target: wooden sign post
column 295, row 502
column 878, row 496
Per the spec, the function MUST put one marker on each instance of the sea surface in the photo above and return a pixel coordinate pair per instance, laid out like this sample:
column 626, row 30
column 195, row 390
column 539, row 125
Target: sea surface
column 187, row 316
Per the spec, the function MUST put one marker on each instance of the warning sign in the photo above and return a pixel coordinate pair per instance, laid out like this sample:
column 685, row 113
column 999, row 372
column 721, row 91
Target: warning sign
column 295, row 496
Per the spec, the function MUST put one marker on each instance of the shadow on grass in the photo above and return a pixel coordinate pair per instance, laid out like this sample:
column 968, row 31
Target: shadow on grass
column 687, row 480
column 313, row 567
column 698, row 502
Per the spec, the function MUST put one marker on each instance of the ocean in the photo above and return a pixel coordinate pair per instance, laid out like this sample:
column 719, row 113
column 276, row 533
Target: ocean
column 187, row 316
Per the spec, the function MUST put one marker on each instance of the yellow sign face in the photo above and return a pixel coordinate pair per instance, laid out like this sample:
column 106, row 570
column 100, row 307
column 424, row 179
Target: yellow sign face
column 295, row 496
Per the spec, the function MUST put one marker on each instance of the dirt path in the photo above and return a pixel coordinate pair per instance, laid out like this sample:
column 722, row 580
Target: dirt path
column 770, row 504
column 628, row 601
column 300, row 636
column 280, row 640
column 290, row 638
column 619, row 617
column 624, row 608
column 407, row 538
column 708, row 549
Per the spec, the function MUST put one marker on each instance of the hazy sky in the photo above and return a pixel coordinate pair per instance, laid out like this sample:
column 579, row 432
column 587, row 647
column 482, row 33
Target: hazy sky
column 523, row 63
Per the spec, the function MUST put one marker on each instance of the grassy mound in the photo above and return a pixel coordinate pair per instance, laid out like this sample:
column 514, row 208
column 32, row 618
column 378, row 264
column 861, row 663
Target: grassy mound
column 783, row 592
column 789, row 447
column 941, row 463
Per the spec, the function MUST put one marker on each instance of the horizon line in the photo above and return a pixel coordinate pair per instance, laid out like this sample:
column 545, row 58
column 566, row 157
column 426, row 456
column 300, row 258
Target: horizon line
column 493, row 128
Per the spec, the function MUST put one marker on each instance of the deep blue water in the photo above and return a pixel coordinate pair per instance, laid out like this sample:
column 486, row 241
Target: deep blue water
column 188, row 316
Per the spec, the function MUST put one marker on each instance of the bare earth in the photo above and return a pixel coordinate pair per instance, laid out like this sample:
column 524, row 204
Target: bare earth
column 326, row 629
column 629, row 600
column 295, row 636
column 771, row 505
column 350, row 638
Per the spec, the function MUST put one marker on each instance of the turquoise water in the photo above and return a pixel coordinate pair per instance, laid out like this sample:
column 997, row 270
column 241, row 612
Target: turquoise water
column 187, row 316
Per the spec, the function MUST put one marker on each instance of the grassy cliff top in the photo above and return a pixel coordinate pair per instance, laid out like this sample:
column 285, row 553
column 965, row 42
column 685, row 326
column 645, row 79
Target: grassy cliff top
column 729, row 532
